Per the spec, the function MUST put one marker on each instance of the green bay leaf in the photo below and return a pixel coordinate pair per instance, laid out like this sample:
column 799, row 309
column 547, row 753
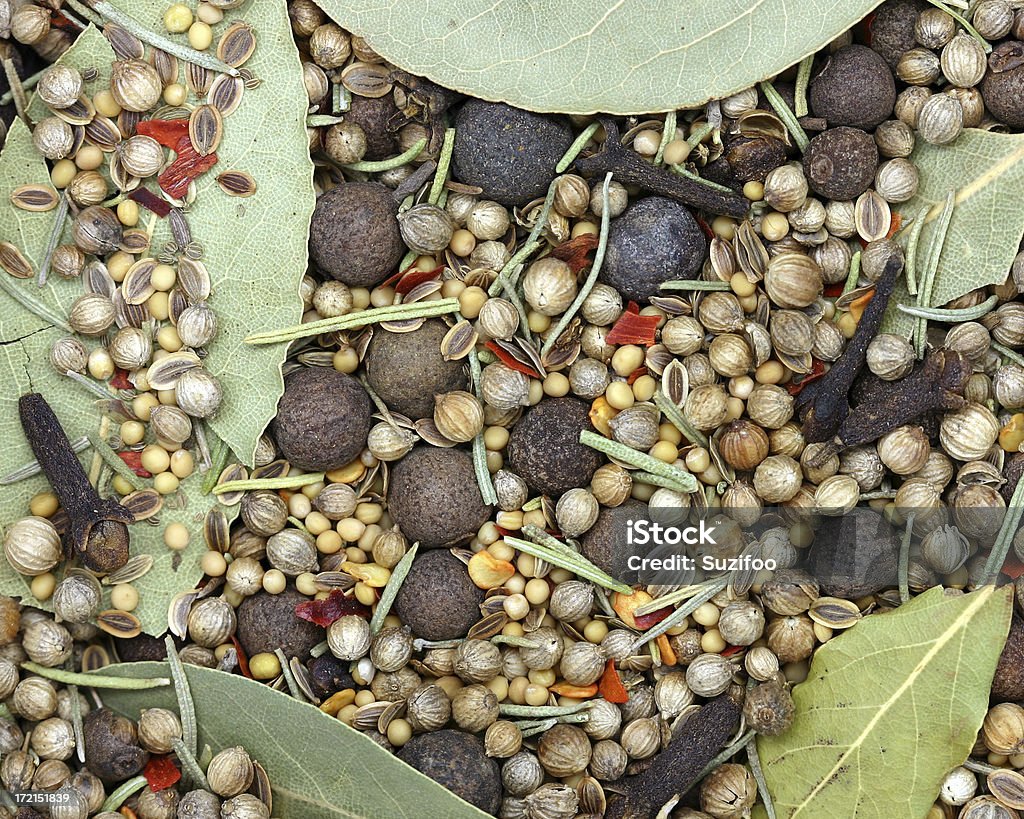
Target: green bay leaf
column 255, row 250
column 580, row 57
column 888, row 708
column 986, row 170
column 319, row 768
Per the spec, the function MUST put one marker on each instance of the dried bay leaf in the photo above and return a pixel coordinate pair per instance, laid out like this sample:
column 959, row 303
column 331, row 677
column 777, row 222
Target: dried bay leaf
column 987, row 170
column 318, row 767
column 583, row 56
column 888, row 708
column 255, row 256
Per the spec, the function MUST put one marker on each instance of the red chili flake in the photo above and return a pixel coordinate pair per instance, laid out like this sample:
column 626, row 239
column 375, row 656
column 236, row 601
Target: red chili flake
column 150, row 201
column 58, row 20
column 388, row 282
column 134, row 462
column 894, row 225
column 161, row 772
column 175, row 180
column 326, row 611
column 833, row 291
column 414, row 277
column 168, row 132
column 632, row 328
column 637, row 373
column 574, row 252
column 732, row 650
column 243, row 661
column 1013, row 568
column 611, row 687
column 817, row 371
column 706, row 228
column 646, row 621
column 511, row 362
column 119, row 380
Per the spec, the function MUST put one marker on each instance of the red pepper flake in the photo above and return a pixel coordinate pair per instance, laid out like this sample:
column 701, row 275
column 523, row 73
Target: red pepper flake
column 706, row 228
column 511, row 361
column 150, row 201
column 574, row 252
column 637, row 373
column 894, row 225
column 646, row 621
column 732, row 650
column 833, row 291
column 119, row 380
column 168, row 132
column 161, row 772
column 1013, row 567
column 188, row 166
column 412, row 278
column 326, row 611
column 817, row 371
column 632, row 328
column 58, row 20
column 243, row 661
column 133, row 460
column 390, row 281
column 611, row 687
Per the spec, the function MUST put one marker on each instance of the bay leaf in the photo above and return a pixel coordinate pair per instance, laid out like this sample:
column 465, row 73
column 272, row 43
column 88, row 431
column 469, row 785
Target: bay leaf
column 987, row 171
column 888, row 708
column 319, row 768
column 256, row 255
column 584, row 56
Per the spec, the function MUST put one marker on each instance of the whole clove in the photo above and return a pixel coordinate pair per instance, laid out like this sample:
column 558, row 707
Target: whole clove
column 97, row 527
column 628, row 168
column 825, row 403
column 677, row 769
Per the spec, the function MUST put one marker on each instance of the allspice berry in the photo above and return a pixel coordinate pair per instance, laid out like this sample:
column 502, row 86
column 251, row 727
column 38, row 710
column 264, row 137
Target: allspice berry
column 508, row 152
column 1008, row 683
column 545, row 447
column 354, row 234
column 604, row 543
column 407, row 369
column 656, row 240
column 840, row 163
column 457, row 761
column 1003, row 91
column 374, row 115
column 855, row 87
column 143, row 648
column 112, row 749
column 438, row 601
column 434, row 498
column 892, row 29
column 322, row 420
column 769, row 708
column 268, row 621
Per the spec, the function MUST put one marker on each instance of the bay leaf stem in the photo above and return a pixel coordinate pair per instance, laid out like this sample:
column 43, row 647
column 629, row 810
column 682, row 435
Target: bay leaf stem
column 94, row 680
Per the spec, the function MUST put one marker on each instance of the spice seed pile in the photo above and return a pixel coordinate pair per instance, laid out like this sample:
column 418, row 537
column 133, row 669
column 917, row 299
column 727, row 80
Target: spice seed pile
column 520, row 331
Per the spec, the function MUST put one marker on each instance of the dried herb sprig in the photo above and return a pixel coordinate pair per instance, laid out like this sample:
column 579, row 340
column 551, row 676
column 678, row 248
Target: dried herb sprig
column 190, row 767
column 638, row 459
column 713, row 587
column 694, row 284
column 394, row 585
column 124, row 790
column 90, row 680
column 511, row 710
column 803, row 79
column 253, row 484
column 509, row 274
column 754, row 760
column 544, row 546
column 578, row 145
column 60, row 217
column 483, row 475
column 727, row 753
column 786, row 115
column 33, row 468
column 17, row 91
column 111, row 459
column 293, row 686
column 675, row 416
column 443, row 164
column 27, row 84
column 35, row 307
column 931, row 265
column 668, row 133
column 963, row 22
column 913, row 242
column 186, row 705
column 403, row 158
column 953, row 315
column 1004, row 539
column 904, row 559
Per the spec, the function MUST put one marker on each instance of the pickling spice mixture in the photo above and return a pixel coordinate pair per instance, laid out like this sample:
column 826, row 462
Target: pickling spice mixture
column 519, row 332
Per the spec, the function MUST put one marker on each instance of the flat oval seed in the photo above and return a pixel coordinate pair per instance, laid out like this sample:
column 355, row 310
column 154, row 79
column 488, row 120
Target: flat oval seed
column 103, row 133
column 177, row 303
column 834, row 612
column 125, row 44
column 136, row 567
column 135, row 241
column 129, row 315
column 459, row 341
column 232, row 472
column 177, row 613
column 872, row 216
column 367, row 80
column 14, row 262
column 79, row 112
column 119, row 623
column 226, row 93
column 164, row 374
column 142, row 504
column 166, row 65
column 1008, row 787
column 198, row 79
column 36, row 198
column 237, row 44
column 216, row 531
column 94, row 657
column 205, row 129
column 275, row 469
column 97, row 279
column 260, row 779
column 236, row 183
column 487, row 627
column 194, row 279
column 138, row 281
column 328, row 581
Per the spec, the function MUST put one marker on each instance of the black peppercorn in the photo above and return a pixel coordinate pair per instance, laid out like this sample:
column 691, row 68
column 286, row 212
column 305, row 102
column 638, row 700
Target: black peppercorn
column 379, row 118
column 457, row 761
column 329, row 675
column 434, row 498
column 751, row 160
column 407, row 369
column 267, row 622
column 438, row 601
column 354, row 234
column 545, row 447
column 322, row 420
column 855, row 87
column 112, row 749
column 840, row 163
column 508, row 152
column 654, row 241
column 892, row 28
column 1008, row 682
column 1003, row 85
column 603, row 544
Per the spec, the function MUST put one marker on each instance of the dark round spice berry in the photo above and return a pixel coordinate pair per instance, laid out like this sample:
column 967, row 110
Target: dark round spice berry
column 112, row 749
column 267, row 622
column 853, row 567
column 604, row 543
column 329, row 675
column 144, row 648
column 354, row 234
column 322, row 420
column 377, row 116
column 855, row 87
column 1003, row 91
column 1008, row 683
column 840, row 163
column 545, row 447
column 438, row 601
column 769, row 709
column 892, row 29
column 457, row 761
column 434, row 498
column 751, row 160
column 654, row 241
column 1013, row 470
column 407, row 369
column 508, row 152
